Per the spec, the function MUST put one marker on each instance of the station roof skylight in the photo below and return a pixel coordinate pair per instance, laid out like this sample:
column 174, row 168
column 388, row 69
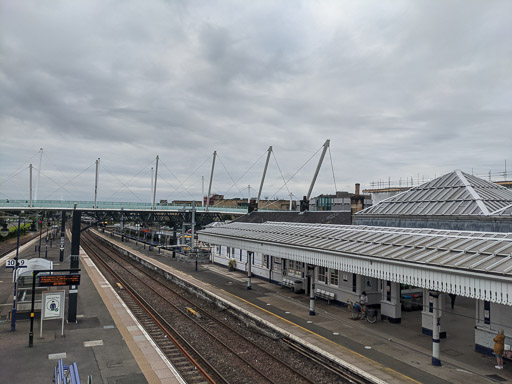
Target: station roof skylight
column 456, row 193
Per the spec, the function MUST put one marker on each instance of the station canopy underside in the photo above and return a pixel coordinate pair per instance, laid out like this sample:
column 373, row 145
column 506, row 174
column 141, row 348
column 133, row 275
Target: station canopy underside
column 473, row 264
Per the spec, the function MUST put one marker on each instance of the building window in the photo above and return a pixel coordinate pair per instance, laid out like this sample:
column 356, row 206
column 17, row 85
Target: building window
column 240, row 255
column 294, row 268
column 333, row 276
column 229, row 252
column 266, row 261
column 322, row 274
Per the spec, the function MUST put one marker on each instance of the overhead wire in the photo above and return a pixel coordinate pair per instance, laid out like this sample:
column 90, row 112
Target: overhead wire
column 245, row 173
column 193, row 173
column 129, row 181
column 286, row 182
column 13, row 176
column 63, row 185
column 234, row 182
column 21, row 169
column 181, row 184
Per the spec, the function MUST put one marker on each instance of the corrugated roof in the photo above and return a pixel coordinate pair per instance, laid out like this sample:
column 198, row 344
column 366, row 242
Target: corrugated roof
column 456, row 193
column 475, row 251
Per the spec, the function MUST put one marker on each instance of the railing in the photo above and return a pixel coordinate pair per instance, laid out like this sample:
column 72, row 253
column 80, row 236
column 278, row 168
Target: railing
column 113, row 205
column 67, row 204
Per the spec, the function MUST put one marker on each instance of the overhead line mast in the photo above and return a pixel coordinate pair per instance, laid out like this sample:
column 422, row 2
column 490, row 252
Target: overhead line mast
column 264, row 174
column 156, row 178
column 305, row 202
column 211, row 181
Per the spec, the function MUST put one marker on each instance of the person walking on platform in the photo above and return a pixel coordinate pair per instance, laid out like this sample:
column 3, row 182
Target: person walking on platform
column 499, row 346
column 363, row 300
column 452, row 299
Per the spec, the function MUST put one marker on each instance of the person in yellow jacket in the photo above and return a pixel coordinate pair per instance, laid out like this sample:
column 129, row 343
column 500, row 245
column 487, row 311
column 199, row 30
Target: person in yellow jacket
column 499, row 346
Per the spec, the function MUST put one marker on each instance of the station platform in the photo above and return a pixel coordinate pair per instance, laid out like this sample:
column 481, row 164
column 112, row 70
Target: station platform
column 393, row 353
column 107, row 343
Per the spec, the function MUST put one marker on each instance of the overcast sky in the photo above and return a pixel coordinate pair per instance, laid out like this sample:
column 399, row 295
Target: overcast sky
column 401, row 88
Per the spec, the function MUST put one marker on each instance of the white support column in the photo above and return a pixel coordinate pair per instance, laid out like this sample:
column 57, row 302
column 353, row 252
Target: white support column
column 390, row 302
column 249, row 262
column 427, row 314
column 436, row 325
column 312, row 272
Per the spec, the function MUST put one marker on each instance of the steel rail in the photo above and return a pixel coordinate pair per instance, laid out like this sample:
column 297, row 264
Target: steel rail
column 343, row 372
column 217, row 321
column 162, row 324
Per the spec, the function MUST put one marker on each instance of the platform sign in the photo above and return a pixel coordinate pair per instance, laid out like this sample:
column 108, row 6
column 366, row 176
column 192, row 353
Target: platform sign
column 53, row 307
column 59, row 280
column 11, row 263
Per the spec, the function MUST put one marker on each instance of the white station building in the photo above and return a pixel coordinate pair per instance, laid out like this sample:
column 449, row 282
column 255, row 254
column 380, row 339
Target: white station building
column 452, row 235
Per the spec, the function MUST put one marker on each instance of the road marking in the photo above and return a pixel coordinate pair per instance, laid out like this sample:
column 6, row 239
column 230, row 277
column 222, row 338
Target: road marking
column 57, row 356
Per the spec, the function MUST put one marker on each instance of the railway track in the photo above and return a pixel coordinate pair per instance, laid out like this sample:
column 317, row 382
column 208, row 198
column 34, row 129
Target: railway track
column 200, row 337
column 7, row 247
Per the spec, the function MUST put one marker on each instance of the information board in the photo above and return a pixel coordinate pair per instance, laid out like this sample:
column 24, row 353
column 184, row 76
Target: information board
column 53, row 305
column 59, row 280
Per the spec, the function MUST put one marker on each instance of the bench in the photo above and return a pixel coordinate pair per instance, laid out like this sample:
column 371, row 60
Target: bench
column 64, row 374
column 324, row 295
column 288, row 283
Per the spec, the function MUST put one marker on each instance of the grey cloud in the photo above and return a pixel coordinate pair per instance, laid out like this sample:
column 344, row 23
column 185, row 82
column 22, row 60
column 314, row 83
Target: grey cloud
column 398, row 87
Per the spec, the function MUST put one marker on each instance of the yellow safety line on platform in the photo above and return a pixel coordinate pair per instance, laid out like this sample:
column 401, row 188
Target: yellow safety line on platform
column 321, row 337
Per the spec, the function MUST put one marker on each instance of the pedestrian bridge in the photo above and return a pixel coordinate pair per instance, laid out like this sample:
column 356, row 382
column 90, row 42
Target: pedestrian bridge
column 66, row 205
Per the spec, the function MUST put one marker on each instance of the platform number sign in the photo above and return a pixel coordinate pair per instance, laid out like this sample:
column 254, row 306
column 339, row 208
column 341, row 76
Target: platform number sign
column 11, row 263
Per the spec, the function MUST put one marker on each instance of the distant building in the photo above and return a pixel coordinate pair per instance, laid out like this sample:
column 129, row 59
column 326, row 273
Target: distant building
column 342, row 201
column 276, row 204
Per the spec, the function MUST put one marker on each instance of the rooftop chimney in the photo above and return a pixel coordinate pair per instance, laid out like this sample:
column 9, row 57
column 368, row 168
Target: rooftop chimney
column 357, row 188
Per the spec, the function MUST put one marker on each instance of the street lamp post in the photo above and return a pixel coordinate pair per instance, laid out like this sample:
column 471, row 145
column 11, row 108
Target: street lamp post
column 13, row 313
column 40, row 236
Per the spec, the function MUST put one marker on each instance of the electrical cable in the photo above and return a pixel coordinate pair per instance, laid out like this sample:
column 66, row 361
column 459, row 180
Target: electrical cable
column 192, row 174
column 228, row 174
column 286, row 182
column 21, row 169
column 175, row 188
column 66, row 183
column 129, row 181
column 245, row 173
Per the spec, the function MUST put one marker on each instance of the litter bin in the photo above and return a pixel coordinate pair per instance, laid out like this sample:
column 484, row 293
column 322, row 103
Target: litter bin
column 298, row 286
